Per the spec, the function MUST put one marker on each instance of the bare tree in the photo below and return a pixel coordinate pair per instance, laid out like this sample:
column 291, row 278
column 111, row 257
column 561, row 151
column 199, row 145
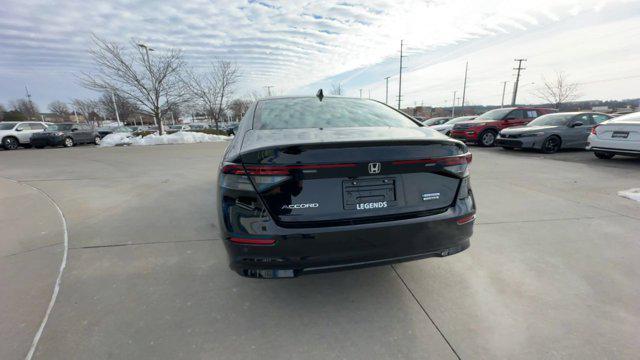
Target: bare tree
column 213, row 87
column 238, row 108
column 60, row 109
column 26, row 107
column 88, row 108
column 558, row 91
column 2, row 111
column 336, row 89
column 151, row 82
column 125, row 107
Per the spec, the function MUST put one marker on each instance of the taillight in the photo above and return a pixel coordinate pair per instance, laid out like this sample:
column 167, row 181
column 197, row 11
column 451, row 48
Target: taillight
column 456, row 164
column 593, row 130
column 266, row 176
column 252, row 241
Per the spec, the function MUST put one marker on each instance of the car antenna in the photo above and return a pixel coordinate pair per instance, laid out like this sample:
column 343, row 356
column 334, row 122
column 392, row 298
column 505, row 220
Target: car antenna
column 320, row 95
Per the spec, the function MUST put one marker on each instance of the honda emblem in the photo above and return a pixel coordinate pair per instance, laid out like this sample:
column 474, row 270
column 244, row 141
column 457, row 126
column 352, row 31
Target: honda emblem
column 374, row 168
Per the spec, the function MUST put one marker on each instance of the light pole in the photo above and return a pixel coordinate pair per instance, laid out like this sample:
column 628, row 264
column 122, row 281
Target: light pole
column 386, row 92
column 504, row 87
column 159, row 125
column 115, row 107
column 453, row 106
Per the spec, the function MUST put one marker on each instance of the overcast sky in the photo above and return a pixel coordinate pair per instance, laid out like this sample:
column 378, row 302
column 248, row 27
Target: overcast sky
column 299, row 46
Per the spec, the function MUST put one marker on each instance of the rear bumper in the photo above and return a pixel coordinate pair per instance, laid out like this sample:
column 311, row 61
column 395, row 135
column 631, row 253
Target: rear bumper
column 313, row 250
column 47, row 141
column 631, row 148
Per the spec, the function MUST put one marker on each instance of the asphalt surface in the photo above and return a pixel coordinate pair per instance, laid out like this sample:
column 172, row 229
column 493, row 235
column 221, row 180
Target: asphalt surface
column 552, row 271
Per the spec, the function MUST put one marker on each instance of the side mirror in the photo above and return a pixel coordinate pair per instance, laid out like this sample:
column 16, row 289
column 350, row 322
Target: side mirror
column 577, row 123
column 74, row 129
column 19, row 129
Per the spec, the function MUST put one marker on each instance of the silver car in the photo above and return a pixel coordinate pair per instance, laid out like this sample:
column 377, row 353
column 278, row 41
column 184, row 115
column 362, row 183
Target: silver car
column 552, row 132
column 15, row 134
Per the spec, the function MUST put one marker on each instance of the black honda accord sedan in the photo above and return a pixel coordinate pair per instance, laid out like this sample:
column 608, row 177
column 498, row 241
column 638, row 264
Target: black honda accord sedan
column 313, row 184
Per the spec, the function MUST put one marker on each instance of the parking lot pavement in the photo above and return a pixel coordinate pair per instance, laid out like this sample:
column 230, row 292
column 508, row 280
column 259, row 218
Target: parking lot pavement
column 551, row 273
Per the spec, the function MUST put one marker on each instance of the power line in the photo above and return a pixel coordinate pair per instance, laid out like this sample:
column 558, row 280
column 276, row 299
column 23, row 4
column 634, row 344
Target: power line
column 515, row 85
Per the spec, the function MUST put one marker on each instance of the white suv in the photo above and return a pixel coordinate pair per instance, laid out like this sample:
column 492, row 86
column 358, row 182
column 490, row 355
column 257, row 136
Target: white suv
column 14, row 134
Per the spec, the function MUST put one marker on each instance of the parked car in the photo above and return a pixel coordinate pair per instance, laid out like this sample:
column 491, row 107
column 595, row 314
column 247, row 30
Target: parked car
column 175, row 128
column 447, row 126
column 618, row 136
column 552, row 132
column 484, row 129
column 308, row 186
column 104, row 131
column 196, row 127
column 436, row 121
column 16, row 134
column 67, row 135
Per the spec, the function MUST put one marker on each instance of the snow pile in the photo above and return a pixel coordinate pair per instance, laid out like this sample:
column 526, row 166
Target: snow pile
column 633, row 194
column 181, row 137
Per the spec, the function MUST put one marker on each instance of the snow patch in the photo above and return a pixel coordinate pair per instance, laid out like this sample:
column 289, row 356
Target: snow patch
column 180, row 137
column 633, row 194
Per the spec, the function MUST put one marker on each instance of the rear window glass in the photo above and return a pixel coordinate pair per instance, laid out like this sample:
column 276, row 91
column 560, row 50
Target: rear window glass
column 301, row 113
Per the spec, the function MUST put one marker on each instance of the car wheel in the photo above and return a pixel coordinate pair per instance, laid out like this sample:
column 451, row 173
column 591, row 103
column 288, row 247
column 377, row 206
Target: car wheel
column 551, row 145
column 508, row 147
column 487, row 138
column 68, row 142
column 10, row 143
column 448, row 133
column 97, row 140
column 603, row 155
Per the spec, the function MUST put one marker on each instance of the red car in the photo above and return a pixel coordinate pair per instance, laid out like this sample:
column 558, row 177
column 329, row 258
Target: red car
column 484, row 129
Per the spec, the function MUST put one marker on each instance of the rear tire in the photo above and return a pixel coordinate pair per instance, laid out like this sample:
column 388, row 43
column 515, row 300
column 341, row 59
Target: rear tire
column 487, row 138
column 10, row 143
column 97, row 140
column 68, row 142
column 551, row 145
column 603, row 155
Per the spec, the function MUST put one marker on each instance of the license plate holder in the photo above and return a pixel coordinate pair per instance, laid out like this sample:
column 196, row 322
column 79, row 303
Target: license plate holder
column 355, row 193
column 620, row 135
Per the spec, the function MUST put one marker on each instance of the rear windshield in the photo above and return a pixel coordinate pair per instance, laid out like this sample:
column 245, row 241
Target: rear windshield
column 302, row 113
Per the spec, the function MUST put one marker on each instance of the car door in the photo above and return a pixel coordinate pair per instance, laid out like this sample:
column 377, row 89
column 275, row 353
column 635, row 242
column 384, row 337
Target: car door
column 577, row 131
column 86, row 133
column 514, row 118
column 23, row 133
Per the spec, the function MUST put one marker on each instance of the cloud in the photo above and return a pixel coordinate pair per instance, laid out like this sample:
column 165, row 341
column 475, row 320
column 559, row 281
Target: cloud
column 288, row 44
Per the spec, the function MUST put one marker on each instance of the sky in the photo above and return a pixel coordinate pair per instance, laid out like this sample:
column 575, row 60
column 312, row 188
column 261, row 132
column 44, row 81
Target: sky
column 300, row 46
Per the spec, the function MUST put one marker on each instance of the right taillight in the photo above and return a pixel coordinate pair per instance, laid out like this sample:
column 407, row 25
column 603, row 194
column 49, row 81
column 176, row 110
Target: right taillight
column 593, row 130
column 456, row 164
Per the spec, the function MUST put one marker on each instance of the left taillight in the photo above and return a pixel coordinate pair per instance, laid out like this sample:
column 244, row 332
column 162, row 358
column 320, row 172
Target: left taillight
column 236, row 176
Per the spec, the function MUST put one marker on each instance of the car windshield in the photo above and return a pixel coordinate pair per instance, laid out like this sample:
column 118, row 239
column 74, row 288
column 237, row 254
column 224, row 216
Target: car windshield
column 309, row 112
column 59, row 127
column 7, row 126
column 496, row 114
column 552, row 120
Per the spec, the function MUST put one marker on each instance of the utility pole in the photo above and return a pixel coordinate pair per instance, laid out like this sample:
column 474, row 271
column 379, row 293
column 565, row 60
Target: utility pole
column 400, row 76
column 453, row 106
column 369, row 93
column 31, row 108
column 504, row 88
column 515, row 85
column 464, row 88
column 360, row 93
column 115, row 107
column 269, row 90
column 386, row 92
